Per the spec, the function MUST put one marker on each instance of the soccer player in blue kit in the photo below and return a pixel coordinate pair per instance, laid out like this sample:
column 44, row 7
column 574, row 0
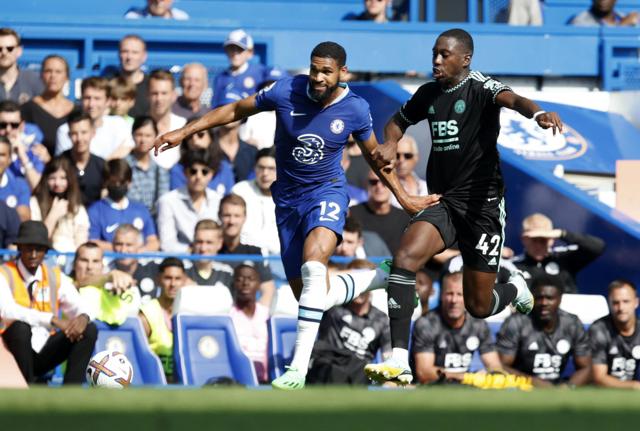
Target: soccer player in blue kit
column 315, row 116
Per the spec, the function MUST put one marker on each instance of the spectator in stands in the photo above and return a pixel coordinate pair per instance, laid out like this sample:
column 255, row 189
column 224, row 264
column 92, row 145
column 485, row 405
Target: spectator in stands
column 424, row 289
column 162, row 95
column 407, row 158
column 615, row 339
column 17, row 85
column 180, row 209
column 259, row 130
column 349, row 337
column 115, row 209
column 50, row 109
column 540, row 257
column 233, row 215
column 260, row 227
column 378, row 215
column 241, row 78
column 9, row 223
column 445, row 339
column 525, row 12
column 149, row 181
column 128, row 239
column 223, row 179
column 132, row 54
column 27, row 156
column 156, row 314
column 250, row 318
column 88, row 167
column 58, row 203
column 112, row 138
column 540, row 344
column 602, row 13
column 123, row 97
column 359, row 243
column 194, row 82
column 356, row 194
column 157, row 9
column 31, row 295
column 110, row 297
column 207, row 241
column 374, row 10
column 13, row 190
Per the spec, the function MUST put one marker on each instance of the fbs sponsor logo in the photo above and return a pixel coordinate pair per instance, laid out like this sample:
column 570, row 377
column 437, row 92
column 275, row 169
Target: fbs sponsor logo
column 525, row 138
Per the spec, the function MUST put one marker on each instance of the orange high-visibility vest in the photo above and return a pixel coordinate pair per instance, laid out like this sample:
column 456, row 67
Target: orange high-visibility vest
column 44, row 295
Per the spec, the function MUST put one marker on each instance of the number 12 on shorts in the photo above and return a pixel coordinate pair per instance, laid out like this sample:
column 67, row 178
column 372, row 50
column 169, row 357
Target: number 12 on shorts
column 484, row 244
column 329, row 211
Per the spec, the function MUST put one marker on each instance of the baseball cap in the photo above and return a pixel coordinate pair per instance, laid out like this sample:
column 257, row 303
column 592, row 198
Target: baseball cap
column 239, row 38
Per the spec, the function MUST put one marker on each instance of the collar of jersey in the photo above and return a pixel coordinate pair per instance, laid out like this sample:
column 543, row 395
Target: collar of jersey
column 339, row 98
column 241, row 70
column 115, row 206
column 4, row 180
column 459, row 85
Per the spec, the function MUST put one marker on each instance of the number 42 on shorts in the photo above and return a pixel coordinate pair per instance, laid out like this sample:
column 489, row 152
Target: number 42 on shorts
column 493, row 243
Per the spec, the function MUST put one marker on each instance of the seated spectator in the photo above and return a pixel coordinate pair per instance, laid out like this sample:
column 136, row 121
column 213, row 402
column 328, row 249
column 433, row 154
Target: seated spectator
column 241, row 77
column 525, row 12
column 407, row 158
column 615, row 339
column 233, row 214
column 110, row 297
column 28, row 157
column 356, row 194
column 148, row 181
column 359, row 243
column 602, row 13
column 349, row 337
column 260, row 228
column 156, row 314
column 162, row 95
column 110, row 212
column 180, row 209
column 157, row 9
column 223, row 179
column 259, row 130
column 194, row 81
column 378, row 215
column 374, row 10
column 207, row 241
column 540, row 344
column 127, row 239
column 424, row 289
column 445, row 339
column 57, row 202
column 51, row 108
column 122, row 98
column 17, row 85
column 88, row 167
column 14, row 191
column 250, row 318
column 112, row 136
column 31, row 295
column 540, row 257
column 132, row 54
column 9, row 224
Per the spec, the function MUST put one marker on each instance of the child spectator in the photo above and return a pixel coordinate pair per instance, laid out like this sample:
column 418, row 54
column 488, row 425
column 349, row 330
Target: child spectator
column 123, row 97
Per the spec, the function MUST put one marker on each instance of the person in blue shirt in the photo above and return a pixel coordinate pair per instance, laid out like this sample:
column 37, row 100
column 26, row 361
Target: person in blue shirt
column 14, row 191
column 242, row 77
column 110, row 212
column 315, row 116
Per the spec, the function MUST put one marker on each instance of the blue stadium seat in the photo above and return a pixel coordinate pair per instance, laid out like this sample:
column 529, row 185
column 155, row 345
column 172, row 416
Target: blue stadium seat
column 282, row 341
column 206, row 347
column 130, row 339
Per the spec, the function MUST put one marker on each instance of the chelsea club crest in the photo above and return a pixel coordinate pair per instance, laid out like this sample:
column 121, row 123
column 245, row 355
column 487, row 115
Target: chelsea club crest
column 337, row 126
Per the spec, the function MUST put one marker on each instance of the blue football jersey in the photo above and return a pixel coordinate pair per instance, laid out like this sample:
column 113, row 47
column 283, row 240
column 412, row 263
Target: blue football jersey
column 229, row 85
column 310, row 139
column 104, row 219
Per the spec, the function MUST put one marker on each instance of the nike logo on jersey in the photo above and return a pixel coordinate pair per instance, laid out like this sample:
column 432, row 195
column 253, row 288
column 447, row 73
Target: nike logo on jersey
column 297, row 114
column 112, row 227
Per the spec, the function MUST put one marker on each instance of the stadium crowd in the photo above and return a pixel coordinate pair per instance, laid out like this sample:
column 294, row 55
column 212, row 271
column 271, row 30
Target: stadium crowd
column 80, row 178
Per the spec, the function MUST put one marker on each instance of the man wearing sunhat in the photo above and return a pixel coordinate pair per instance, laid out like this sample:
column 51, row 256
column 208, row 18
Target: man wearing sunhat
column 32, row 295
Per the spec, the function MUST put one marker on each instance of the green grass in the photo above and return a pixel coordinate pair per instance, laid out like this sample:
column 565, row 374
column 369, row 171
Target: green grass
column 323, row 409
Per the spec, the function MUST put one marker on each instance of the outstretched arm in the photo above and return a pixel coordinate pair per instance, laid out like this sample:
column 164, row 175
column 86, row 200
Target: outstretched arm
column 527, row 108
column 218, row 117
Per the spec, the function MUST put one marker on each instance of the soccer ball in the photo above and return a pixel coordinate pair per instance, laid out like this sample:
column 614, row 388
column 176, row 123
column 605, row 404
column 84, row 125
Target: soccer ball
column 109, row 369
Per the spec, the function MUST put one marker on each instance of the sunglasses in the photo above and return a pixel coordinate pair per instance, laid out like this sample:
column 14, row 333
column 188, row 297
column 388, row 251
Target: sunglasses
column 373, row 182
column 8, row 48
column 407, row 156
column 6, row 124
column 202, row 171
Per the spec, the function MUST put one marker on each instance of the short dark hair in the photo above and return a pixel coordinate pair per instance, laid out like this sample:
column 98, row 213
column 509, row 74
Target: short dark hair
column 547, row 280
column 76, row 117
column 168, row 262
column 144, row 120
column 162, row 75
column 266, row 152
column 9, row 106
column 96, row 82
column 352, row 224
column 117, row 168
column 330, row 50
column 199, row 156
column 621, row 282
column 237, row 269
column 462, row 36
column 7, row 31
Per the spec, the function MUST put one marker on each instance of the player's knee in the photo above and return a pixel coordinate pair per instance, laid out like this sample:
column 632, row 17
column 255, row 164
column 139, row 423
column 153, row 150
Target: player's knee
column 478, row 309
column 407, row 260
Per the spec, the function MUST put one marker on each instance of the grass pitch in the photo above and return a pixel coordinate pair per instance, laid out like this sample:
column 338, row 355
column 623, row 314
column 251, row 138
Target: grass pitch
column 325, row 409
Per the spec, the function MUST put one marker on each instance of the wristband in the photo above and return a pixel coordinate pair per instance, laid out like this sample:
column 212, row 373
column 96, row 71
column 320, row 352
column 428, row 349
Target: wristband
column 537, row 114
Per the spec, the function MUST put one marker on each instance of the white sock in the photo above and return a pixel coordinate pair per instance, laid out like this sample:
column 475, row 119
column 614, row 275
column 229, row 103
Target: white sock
column 310, row 309
column 401, row 355
column 344, row 287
